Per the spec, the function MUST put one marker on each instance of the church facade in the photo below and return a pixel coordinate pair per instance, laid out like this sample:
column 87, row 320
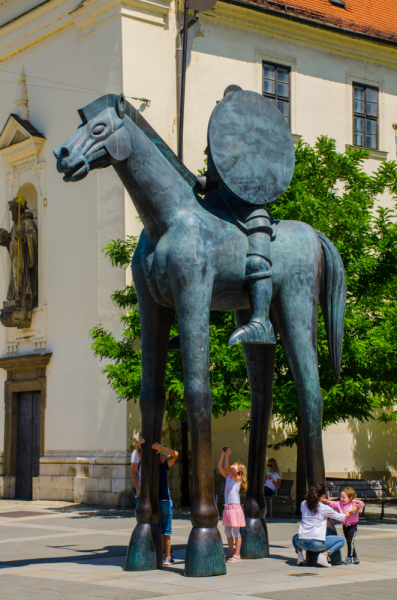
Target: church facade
column 63, row 435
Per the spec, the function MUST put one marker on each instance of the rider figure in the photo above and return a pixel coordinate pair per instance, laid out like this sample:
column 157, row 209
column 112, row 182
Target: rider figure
column 256, row 222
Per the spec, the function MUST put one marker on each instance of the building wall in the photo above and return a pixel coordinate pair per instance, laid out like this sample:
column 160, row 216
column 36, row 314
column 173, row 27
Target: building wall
column 111, row 46
column 230, row 48
column 85, row 425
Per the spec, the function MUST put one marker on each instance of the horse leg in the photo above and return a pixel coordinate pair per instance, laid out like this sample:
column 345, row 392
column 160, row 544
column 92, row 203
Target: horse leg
column 296, row 314
column 204, row 555
column 260, row 367
column 145, row 551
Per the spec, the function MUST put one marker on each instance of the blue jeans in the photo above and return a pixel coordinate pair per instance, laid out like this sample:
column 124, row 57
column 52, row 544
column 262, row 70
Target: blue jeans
column 166, row 510
column 135, row 498
column 331, row 543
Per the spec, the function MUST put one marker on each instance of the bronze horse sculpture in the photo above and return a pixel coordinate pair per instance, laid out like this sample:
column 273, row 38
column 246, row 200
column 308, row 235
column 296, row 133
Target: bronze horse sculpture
column 191, row 259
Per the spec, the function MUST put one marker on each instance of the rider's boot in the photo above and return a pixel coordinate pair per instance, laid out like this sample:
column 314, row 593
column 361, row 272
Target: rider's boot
column 259, row 282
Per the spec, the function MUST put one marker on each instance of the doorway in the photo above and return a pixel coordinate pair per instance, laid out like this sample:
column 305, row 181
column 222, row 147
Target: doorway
column 28, row 443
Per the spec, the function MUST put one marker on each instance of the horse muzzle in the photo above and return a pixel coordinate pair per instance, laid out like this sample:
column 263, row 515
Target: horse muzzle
column 74, row 165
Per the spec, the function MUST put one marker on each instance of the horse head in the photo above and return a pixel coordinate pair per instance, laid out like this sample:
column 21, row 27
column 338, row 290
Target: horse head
column 101, row 140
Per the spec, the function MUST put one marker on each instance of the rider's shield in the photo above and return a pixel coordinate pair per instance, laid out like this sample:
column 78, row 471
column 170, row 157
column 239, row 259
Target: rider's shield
column 251, row 147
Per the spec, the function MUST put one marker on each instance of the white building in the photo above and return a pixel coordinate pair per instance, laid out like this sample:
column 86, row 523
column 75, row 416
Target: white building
column 72, row 52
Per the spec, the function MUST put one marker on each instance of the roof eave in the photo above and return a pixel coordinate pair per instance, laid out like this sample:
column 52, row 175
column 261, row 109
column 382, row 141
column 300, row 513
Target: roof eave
column 312, row 23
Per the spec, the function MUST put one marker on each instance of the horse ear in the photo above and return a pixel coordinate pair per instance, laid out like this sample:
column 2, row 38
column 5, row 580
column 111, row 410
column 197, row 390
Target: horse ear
column 120, row 106
column 119, row 145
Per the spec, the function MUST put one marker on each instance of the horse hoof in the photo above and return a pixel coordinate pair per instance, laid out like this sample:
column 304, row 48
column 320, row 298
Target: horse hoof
column 174, row 343
column 253, row 333
column 145, row 551
column 205, row 556
column 254, row 539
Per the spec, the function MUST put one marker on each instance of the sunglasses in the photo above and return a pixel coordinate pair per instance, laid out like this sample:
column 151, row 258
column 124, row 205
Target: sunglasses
column 269, row 466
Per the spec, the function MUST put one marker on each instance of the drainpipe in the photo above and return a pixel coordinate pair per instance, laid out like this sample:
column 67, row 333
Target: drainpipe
column 181, row 57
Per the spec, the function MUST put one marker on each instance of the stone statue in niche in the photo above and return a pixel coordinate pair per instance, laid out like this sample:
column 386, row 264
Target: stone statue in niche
column 22, row 245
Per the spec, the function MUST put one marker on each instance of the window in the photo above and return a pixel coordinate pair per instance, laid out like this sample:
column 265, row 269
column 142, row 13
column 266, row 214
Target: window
column 276, row 87
column 365, row 116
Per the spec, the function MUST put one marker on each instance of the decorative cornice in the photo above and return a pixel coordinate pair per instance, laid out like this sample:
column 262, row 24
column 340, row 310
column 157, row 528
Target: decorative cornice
column 319, row 20
column 51, row 17
column 272, row 22
column 34, row 25
column 22, row 151
column 375, row 154
column 96, row 13
column 19, row 140
column 28, row 361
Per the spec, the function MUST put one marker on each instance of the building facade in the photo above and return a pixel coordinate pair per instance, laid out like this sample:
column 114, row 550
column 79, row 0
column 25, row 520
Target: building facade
column 329, row 66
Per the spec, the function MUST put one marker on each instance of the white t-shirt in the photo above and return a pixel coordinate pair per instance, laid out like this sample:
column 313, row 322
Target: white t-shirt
column 232, row 491
column 314, row 526
column 270, row 484
column 135, row 459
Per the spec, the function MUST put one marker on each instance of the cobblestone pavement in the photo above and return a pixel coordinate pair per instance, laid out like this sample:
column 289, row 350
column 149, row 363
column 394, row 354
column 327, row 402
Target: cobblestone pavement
column 60, row 551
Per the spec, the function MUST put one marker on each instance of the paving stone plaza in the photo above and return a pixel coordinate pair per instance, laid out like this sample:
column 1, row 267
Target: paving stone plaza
column 60, row 551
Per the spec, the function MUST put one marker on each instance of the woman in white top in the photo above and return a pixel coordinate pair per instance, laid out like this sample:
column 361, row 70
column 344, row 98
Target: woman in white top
column 312, row 534
column 273, row 477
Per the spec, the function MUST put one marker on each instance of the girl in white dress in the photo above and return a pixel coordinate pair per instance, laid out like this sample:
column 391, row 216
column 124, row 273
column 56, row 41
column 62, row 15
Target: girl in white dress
column 233, row 516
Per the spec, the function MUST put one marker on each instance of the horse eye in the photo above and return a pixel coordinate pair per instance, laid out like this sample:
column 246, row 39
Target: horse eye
column 98, row 129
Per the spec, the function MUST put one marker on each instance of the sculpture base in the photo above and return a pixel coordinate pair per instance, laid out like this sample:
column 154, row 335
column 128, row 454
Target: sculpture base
column 145, row 552
column 16, row 316
column 254, row 539
column 205, row 556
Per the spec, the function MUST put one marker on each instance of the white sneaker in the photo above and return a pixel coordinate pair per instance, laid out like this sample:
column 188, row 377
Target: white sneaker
column 322, row 559
column 301, row 558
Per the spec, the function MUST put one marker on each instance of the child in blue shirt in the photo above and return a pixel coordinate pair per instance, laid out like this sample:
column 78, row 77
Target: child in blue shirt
column 167, row 459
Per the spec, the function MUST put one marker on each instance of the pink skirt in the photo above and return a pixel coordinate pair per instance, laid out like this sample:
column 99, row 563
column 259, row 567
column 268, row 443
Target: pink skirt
column 233, row 516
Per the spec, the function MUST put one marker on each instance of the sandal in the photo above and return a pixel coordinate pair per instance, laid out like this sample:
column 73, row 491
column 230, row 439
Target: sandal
column 234, row 559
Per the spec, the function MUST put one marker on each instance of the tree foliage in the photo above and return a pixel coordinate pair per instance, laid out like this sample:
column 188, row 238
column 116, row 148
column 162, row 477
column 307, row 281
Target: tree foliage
column 331, row 192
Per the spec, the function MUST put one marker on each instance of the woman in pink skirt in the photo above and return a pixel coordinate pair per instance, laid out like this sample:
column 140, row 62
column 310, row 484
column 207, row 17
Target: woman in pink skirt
column 233, row 516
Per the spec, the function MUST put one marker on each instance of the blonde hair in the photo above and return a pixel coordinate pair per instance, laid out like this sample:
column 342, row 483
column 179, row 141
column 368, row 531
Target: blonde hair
column 243, row 476
column 274, row 464
column 350, row 493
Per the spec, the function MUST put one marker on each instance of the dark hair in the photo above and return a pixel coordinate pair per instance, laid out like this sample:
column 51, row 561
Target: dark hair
column 312, row 497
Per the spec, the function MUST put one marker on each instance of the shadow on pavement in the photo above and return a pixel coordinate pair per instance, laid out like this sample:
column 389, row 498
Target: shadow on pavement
column 106, row 555
column 85, row 511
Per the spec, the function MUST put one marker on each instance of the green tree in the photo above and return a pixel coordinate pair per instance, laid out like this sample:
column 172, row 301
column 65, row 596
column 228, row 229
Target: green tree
column 331, row 192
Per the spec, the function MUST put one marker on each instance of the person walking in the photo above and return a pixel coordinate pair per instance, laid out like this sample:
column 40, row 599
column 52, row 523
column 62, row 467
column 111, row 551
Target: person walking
column 312, row 534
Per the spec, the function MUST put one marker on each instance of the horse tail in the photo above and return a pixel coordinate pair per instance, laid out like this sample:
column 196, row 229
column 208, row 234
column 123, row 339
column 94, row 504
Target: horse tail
column 333, row 302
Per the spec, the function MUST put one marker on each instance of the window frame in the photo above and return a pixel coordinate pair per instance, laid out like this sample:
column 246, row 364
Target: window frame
column 274, row 96
column 364, row 115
